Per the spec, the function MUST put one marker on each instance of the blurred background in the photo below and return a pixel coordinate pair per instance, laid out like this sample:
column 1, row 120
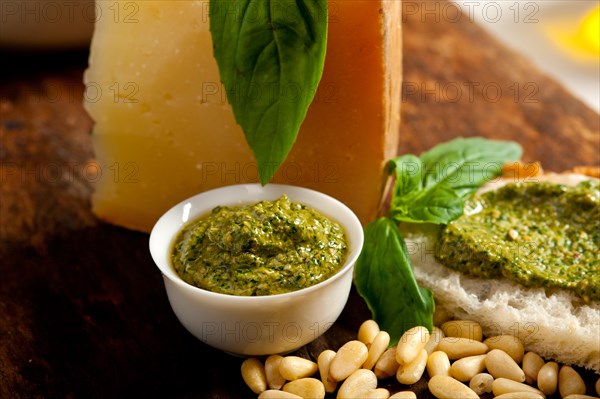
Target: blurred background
column 38, row 25
column 561, row 37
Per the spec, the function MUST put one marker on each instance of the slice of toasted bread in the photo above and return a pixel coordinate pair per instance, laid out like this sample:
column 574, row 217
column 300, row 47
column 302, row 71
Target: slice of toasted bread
column 555, row 323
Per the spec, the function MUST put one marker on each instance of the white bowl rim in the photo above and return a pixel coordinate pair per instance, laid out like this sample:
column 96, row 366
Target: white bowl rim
column 355, row 243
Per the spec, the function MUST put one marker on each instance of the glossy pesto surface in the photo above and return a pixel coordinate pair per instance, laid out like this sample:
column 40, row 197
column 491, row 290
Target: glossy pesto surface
column 538, row 234
column 266, row 248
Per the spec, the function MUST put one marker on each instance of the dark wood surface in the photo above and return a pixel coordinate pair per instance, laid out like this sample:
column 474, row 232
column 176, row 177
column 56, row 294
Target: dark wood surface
column 83, row 312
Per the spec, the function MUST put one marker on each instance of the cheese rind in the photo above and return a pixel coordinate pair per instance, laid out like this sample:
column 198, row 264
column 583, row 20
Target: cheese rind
column 164, row 131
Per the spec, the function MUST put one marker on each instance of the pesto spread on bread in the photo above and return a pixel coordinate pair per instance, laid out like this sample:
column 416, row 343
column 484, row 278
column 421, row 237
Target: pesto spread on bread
column 265, row 248
column 534, row 233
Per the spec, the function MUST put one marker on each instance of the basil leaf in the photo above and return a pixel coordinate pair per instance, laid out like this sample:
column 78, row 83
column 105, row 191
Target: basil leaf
column 438, row 205
column 270, row 56
column 447, row 174
column 408, row 169
column 465, row 164
column 385, row 280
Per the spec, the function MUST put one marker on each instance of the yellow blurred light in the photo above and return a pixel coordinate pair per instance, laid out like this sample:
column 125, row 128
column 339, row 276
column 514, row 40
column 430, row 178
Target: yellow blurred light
column 579, row 38
column 588, row 36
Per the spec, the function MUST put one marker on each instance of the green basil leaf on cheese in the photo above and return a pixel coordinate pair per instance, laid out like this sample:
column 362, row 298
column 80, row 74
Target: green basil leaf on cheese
column 270, row 56
column 384, row 279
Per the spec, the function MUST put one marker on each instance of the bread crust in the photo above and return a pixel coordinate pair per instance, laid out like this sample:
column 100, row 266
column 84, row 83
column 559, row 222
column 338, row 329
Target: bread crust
column 555, row 323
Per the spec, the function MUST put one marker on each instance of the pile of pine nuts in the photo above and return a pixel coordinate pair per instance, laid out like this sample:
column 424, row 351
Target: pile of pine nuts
column 459, row 362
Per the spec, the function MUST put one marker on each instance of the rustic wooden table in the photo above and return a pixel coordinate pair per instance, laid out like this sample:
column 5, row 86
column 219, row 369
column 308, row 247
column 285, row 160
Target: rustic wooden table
column 83, row 312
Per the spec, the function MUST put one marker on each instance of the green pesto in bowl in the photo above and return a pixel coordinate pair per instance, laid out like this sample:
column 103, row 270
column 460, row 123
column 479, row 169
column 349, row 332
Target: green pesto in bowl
column 266, row 248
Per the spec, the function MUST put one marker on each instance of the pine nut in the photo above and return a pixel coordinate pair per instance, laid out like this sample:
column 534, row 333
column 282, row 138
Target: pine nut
column 440, row 316
column 532, row 363
column 387, row 365
column 578, row 396
column 504, row 385
column 367, row 331
column 274, row 378
column 360, row 381
column 509, row 344
column 378, row 346
column 347, row 360
column 443, row 387
column 500, row 365
column 434, row 339
column 463, row 329
column 404, row 395
column 411, row 343
column 547, row 378
column 457, row 348
column 253, row 373
column 277, row 394
column 438, row 364
column 481, row 383
column 324, row 361
column 378, row 393
column 295, row 367
column 570, row 382
column 467, row 367
column 519, row 395
column 306, row 388
column 410, row 373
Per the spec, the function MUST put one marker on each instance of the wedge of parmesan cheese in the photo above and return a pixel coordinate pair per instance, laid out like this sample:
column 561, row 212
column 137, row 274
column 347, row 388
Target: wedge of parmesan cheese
column 164, row 130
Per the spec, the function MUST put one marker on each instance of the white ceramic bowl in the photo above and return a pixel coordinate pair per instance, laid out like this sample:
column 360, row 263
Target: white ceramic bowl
column 255, row 325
